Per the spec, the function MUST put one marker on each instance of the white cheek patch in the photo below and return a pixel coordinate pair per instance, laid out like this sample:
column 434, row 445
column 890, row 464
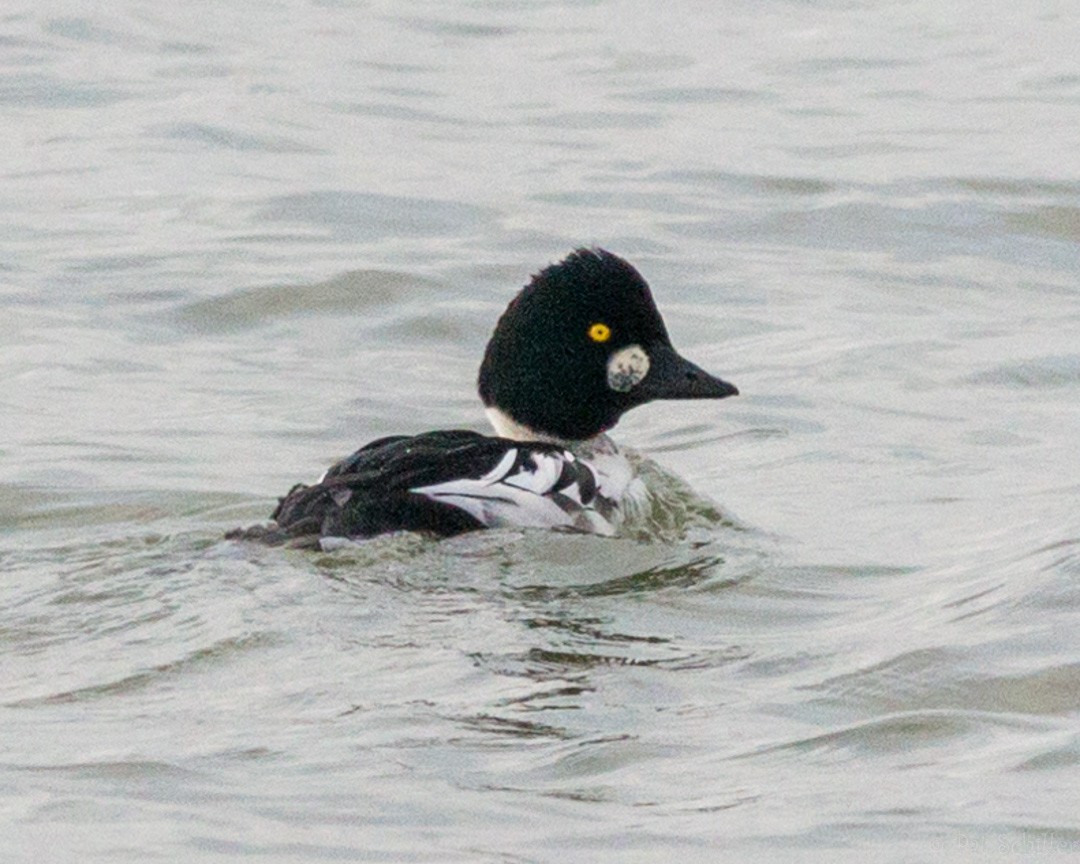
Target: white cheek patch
column 626, row 368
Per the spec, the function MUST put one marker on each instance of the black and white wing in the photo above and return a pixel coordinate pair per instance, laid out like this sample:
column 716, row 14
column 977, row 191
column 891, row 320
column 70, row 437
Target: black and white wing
column 531, row 486
column 446, row 483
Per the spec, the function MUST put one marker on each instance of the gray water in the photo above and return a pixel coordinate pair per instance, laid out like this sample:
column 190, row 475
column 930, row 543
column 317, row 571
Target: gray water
column 239, row 239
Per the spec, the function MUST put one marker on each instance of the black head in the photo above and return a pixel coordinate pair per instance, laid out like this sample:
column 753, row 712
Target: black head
column 580, row 345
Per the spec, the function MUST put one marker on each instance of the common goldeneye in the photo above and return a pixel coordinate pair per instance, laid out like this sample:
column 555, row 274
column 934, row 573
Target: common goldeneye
column 580, row 345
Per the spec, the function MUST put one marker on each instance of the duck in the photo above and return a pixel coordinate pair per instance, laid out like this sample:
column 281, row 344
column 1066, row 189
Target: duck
column 580, row 345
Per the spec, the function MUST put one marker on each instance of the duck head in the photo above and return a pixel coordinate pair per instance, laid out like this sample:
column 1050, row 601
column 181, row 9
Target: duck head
column 579, row 346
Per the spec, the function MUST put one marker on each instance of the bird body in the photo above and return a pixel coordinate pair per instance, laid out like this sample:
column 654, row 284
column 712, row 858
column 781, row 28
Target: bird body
column 579, row 346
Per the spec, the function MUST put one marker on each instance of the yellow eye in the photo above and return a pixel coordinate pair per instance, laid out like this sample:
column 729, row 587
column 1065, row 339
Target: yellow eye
column 599, row 332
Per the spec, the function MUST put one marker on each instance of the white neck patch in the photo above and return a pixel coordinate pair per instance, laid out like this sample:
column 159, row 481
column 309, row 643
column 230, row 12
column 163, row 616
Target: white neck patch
column 507, row 427
column 626, row 367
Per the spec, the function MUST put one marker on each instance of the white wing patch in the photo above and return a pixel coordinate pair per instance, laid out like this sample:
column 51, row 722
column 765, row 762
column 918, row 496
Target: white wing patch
column 549, row 467
column 495, row 474
column 531, row 489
